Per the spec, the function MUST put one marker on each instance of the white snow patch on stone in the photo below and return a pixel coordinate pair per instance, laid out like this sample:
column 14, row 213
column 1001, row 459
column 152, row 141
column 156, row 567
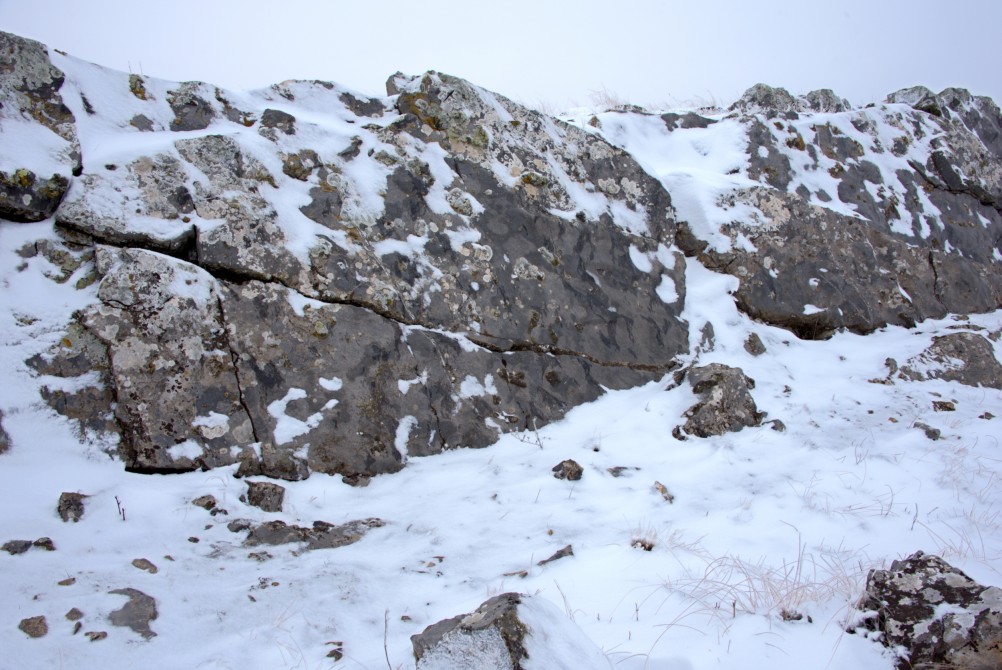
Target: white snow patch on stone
column 288, row 428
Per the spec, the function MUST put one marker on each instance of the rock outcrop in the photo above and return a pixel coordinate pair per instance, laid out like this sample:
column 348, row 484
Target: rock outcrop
column 963, row 357
column 935, row 613
column 301, row 279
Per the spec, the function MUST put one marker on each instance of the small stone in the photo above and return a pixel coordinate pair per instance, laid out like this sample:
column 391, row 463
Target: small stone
column 94, row 636
column 69, row 581
column 563, row 553
column 16, row 546
column 259, row 556
column 74, row 614
column 77, row 626
column 665, row 493
column 943, row 406
column 753, row 345
column 569, row 470
column 617, row 471
column 35, row 626
column 44, row 543
column 239, row 525
column 987, row 416
column 777, row 425
column 266, row 496
column 70, row 506
column 930, row 432
column 193, row 540
column 206, row 502
column 145, row 564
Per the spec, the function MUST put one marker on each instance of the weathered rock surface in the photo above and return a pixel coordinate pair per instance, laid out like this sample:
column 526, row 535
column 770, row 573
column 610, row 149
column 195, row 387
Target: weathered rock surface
column 267, row 496
column 725, row 404
column 137, row 613
column 506, row 633
column 322, row 535
column 35, row 626
column 963, row 357
column 884, row 215
column 938, row 615
column 70, row 506
column 34, row 174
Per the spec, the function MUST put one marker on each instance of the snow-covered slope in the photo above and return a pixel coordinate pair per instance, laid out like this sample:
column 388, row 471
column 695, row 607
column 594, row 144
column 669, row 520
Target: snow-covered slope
column 744, row 549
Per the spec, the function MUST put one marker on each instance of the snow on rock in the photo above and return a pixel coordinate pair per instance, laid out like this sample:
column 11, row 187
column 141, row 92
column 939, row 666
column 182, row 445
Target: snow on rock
column 308, row 284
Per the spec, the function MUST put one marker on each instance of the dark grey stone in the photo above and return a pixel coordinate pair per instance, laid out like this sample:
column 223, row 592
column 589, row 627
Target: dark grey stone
column 322, row 535
column 191, row 111
column 569, row 470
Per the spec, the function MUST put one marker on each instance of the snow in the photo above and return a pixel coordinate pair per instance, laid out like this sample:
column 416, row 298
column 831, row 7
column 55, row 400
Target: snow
column 288, row 428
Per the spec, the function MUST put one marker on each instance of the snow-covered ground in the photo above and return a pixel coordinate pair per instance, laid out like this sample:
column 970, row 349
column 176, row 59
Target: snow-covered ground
column 761, row 521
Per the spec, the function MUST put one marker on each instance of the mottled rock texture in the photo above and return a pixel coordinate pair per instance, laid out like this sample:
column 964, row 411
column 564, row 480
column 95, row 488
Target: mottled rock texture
column 300, row 279
column 725, row 404
column 939, row 616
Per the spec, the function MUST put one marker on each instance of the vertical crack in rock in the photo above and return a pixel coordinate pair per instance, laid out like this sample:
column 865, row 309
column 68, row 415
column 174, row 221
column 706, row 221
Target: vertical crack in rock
column 235, row 357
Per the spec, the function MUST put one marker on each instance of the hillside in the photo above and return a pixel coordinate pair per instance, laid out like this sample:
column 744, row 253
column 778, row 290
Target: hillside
column 313, row 358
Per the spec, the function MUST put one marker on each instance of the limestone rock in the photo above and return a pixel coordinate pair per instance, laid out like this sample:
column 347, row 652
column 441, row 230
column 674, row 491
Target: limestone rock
column 265, row 495
column 137, row 613
column 938, row 615
column 71, row 506
column 505, row 633
column 14, row 547
column 725, row 404
column 963, row 357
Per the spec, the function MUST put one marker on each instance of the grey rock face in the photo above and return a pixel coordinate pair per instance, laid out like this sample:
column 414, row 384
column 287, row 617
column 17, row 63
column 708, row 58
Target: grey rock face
column 963, row 357
column 266, row 496
column 725, row 404
column 936, row 613
column 137, row 613
column 926, row 232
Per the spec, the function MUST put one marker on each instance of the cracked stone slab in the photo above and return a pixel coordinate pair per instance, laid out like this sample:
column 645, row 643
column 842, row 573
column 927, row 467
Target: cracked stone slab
column 137, row 613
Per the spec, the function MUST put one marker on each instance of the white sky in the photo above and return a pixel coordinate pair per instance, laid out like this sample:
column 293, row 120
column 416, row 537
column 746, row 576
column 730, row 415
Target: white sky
column 539, row 51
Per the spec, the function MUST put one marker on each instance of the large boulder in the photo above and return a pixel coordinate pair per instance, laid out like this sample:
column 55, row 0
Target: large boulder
column 508, row 632
column 938, row 616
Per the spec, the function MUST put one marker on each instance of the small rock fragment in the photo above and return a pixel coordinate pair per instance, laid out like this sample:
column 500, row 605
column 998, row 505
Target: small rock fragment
column 943, row 406
column 266, row 496
column 69, row 581
column 70, row 506
column 94, row 636
column 206, row 502
column 44, row 543
column 930, row 432
column 74, row 614
column 753, row 345
column 568, row 470
column 665, row 493
column 35, row 626
column 563, row 553
column 16, row 546
column 145, row 564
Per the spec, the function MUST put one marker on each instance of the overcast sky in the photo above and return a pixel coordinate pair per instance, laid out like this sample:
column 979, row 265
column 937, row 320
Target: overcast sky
column 539, row 51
